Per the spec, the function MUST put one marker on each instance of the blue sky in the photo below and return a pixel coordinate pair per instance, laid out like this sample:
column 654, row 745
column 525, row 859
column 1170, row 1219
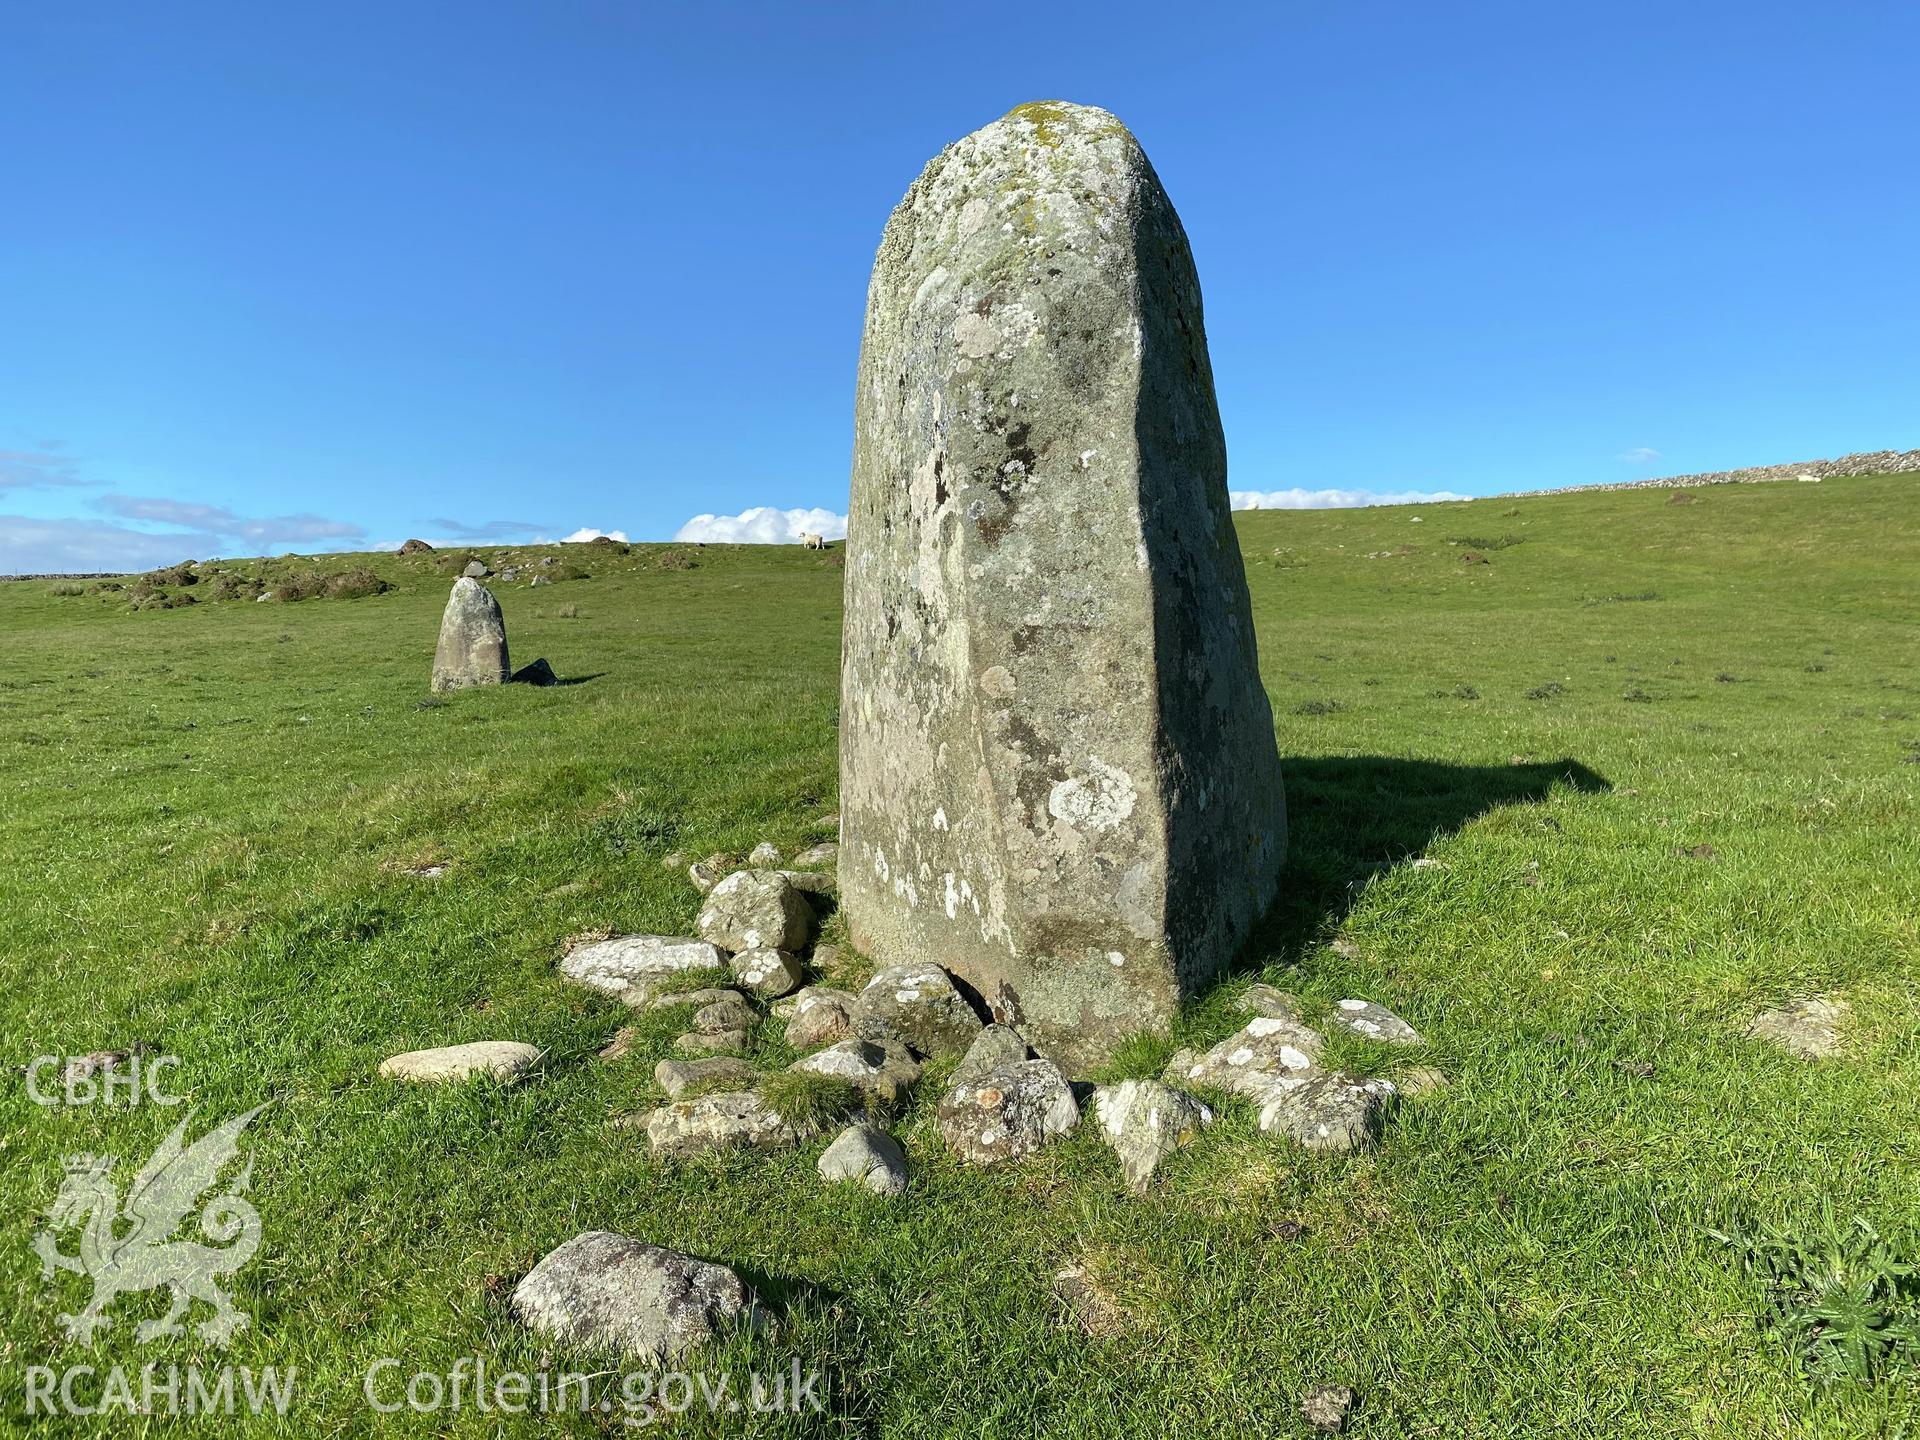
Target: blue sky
column 314, row 277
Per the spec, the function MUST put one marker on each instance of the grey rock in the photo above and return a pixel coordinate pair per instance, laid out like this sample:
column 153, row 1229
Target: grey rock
column 473, row 640
column 918, row 1006
column 1264, row 1047
column 754, row 908
column 765, row 854
column 767, row 971
column 826, row 958
column 509, row 574
column 728, row 1120
column 610, row 1292
column 1335, row 1112
column 1007, row 1114
column 538, row 673
column 1374, row 1022
column 993, row 1047
column 503, row 1060
column 712, row 1042
column 676, row 1077
column 1145, row 1121
column 708, row 995
column 1092, row 1306
column 818, row 1016
column 825, row 853
column 624, row 1042
column 1178, row 1064
column 732, row 1012
column 1326, row 1407
column 633, row 967
column 814, row 883
column 883, row 1072
column 1808, row 1028
column 540, row 580
column 869, row 1155
column 1057, row 764
column 1421, row 1082
column 476, row 570
column 709, row 872
column 1274, row 1004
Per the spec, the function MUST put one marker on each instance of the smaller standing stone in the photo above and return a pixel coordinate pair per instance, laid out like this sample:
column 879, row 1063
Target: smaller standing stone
column 766, row 853
column 676, row 1077
column 767, row 971
column 1374, row 1022
column 610, row 1292
column 817, row 1016
column 538, row 673
column 503, row 1060
column 473, row 640
column 476, row 570
column 918, row 1006
column 1009, row 1113
column 1145, row 1121
column 868, row 1155
column 1326, row 1407
column 1808, row 1028
column 754, row 908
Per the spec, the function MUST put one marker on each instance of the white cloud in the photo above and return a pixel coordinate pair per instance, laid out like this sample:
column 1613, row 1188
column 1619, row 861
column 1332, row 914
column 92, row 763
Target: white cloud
column 30, row 546
column 1297, row 499
column 1639, row 455
column 23, row 469
column 764, row 525
column 586, row 533
column 217, row 521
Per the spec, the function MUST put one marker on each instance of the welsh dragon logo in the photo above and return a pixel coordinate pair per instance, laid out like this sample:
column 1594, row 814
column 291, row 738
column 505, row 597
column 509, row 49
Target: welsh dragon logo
column 131, row 1247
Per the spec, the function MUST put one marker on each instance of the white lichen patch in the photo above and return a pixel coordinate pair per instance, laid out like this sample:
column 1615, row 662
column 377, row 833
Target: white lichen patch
column 1096, row 801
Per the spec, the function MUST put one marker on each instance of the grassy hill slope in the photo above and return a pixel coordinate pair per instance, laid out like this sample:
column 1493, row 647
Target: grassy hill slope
column 210, row 812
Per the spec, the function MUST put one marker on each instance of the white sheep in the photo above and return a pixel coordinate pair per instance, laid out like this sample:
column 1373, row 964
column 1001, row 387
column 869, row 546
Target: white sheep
column 813, row 542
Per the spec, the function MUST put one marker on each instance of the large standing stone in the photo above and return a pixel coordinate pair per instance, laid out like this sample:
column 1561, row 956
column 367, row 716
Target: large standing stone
column 473, row 640
column 1057, row 765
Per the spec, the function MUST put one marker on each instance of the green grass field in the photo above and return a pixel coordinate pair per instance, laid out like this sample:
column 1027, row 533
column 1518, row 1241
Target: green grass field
column 209, row 812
